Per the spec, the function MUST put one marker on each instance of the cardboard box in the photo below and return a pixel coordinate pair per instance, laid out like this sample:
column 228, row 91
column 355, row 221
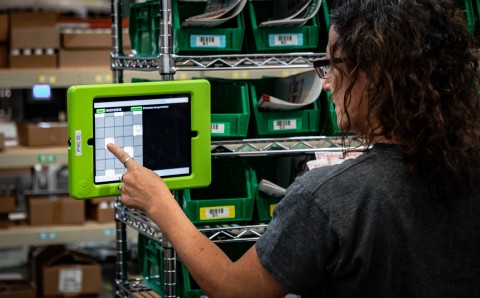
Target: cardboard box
column 84, row 58
column 17, row 289
column 4, row 27
column 2, row 141
column 4, row 221
column 101, row 209
column 3, row 55
column 55, row 210
column 92, row 39
column 67, row 210
column 40, row 211
column 58, row 271
column 42, row 134
column 34, row 30
column 7, row 204
column 33, row 61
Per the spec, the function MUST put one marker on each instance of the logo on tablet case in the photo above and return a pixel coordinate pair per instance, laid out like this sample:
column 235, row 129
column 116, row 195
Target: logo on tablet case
column 78, row 142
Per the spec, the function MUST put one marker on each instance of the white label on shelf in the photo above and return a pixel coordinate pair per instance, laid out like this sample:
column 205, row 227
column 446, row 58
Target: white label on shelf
column 78, row 142
column 284, row 124
column 70, row 280
column 218, row 128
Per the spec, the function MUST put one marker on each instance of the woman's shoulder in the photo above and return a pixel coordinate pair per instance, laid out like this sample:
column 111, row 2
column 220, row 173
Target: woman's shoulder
column 374, row 166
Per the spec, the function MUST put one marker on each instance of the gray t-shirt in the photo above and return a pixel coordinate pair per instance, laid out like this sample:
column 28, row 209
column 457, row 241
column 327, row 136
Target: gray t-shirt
column 365, row 229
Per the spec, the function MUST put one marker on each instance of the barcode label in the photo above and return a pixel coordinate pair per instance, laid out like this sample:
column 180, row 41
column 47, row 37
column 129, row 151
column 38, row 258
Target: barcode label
column 278, row 40
column 284, row 124
column 218, row 128
column 70, row 280
column 207, row 41
column 220, row 212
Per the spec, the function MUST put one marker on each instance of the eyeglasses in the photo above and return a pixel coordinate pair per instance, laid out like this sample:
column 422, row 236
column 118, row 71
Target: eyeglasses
column 322, row 66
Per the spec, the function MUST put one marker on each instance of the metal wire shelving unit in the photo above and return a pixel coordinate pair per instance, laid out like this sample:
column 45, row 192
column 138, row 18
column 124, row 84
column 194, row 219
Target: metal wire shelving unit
column 167, row 64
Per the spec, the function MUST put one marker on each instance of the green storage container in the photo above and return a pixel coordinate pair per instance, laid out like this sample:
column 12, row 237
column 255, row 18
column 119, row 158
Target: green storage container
column 190, row 289
column 468, row 7
column 476, row 10
column 330, row 127
column 304, row 121
column 229, row 198
column 470, row 15
column 277, row 170
column 150, row 262
column 265, row 206
column 278, row 39
column 141, row 29
column 230, row 109
column 225, row 38
column 324, row 24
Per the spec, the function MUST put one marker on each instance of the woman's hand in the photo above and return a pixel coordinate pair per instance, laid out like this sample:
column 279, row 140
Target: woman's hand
column 142, row 189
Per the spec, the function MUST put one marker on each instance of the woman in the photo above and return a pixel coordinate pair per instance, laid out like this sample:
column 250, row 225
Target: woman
column 399, row 221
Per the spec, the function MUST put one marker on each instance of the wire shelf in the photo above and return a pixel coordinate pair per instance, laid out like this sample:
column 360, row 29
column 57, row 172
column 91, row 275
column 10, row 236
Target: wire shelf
column 282, row 146
column 217, row 62
column 134, row 288
column 140, row 222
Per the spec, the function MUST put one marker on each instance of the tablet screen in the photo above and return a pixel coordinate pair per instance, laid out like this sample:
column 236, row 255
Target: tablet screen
column 155, row 130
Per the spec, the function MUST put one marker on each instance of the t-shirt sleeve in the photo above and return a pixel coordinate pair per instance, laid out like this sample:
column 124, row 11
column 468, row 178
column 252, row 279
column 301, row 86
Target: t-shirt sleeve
column 295, row 247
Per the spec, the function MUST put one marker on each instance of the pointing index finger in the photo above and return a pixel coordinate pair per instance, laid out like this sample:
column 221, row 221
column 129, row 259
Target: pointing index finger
column 118, row 152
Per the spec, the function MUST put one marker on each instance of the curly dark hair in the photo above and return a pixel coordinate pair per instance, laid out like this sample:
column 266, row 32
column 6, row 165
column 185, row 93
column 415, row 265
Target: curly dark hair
column 423, row 75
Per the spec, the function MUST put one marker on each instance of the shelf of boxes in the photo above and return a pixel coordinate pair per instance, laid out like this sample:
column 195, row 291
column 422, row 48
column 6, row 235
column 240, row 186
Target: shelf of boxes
column 24, row 157
column 17, row 235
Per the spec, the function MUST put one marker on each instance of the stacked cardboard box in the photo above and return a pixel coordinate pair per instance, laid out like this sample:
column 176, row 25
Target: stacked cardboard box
column 16, row 289
column 88, row 44
column 7, row 204
column 101, row 209
column 42, row 134
column 60, row 272
column 48, row 40
column 34, row 40
column 3, row 40
column 51, row 210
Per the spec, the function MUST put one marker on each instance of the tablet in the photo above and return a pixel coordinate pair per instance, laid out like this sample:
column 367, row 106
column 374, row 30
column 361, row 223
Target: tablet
column 164, row 126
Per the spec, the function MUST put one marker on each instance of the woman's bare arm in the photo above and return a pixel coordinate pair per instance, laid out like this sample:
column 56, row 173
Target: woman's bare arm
column 211, row 268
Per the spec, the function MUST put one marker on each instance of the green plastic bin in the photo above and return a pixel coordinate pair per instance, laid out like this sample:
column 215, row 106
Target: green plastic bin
column 476, row 10
column 150, row 262
column 265, row 206
column 141, row 29
column 330, row 127
column 229, row 198
column 189, row 288
column 470, row 15
column 278, row 39
column 230, row 109
column 225, row 38
column 304, row 121
column 324, row 24
column 277, row 170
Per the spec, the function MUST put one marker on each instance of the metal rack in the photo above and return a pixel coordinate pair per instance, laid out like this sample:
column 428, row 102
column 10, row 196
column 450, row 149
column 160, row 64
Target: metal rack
column 166, row 64
column 224, row 62
column 302, row 145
